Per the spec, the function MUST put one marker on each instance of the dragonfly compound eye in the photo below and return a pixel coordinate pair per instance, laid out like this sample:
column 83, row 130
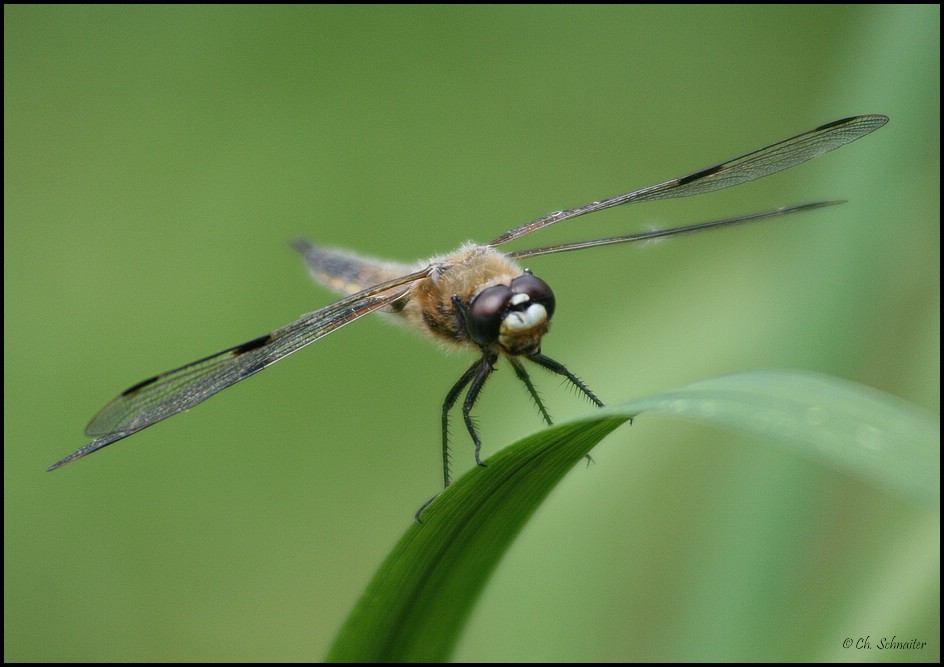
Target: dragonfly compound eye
column 538, row 290
column 486, row 312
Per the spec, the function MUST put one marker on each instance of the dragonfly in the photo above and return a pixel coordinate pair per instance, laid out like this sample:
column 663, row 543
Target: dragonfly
column 477, row 298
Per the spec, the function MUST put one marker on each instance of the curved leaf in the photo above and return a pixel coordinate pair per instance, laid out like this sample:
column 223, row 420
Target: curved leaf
column 882, row 439
column 417, row 603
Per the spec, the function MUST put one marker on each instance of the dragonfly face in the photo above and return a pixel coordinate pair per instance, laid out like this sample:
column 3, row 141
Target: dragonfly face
column 477, row 298
column 515, row 316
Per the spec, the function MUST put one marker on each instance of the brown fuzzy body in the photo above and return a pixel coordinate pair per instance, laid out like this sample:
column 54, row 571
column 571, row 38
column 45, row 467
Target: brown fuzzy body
column 428, row 306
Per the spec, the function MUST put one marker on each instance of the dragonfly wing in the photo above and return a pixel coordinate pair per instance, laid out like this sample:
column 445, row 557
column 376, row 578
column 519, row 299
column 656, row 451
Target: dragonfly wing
column 655, row 234
column 751, row 166
column 169, row 393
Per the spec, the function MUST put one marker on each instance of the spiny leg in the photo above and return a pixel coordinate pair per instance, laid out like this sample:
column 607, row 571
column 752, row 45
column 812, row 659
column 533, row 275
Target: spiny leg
column 485, row 367
column 447, row 406
column 526, row 380
column 560, row 369
column 450, row 401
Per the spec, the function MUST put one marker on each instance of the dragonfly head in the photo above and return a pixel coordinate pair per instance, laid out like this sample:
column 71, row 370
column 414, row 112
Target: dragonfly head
column 514, row 316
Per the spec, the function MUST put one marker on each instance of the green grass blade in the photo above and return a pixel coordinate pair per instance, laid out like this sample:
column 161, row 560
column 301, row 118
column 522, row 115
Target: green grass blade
column 418, row 601
column 415, row 607
column 858, row 430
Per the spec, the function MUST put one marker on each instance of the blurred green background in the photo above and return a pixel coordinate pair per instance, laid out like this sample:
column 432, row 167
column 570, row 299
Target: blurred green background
column 156, row 159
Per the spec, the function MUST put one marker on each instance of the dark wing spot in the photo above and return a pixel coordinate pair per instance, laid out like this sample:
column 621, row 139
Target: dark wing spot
column 841, row 121
column 700, row 174
column 141, row 385
column 254, row 344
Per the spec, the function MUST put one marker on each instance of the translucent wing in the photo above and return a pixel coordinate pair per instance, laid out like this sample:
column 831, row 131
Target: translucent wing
column 165, row 395
column 674, row 231
column 757, row 164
